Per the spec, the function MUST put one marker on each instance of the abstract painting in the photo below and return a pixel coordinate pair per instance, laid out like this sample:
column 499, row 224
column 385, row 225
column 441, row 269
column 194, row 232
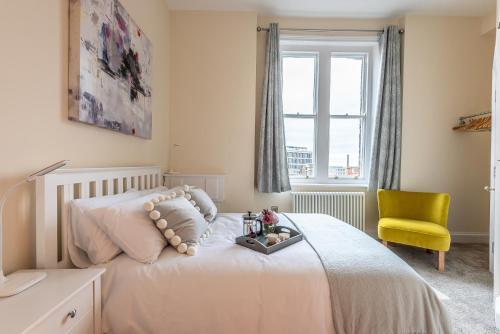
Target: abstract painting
column 109, row 68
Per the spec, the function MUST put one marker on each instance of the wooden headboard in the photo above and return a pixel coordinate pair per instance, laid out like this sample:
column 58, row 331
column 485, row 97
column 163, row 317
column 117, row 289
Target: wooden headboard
column 55, row 191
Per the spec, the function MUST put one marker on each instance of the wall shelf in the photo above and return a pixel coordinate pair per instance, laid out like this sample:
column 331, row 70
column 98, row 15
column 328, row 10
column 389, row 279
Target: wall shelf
column 474, row 123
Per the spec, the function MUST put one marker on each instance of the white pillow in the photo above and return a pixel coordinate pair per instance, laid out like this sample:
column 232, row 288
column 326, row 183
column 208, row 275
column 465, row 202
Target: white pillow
column 127, row 225
column 87, row 236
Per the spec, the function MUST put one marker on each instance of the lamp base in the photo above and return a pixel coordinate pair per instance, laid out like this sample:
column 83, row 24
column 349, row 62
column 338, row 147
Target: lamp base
column 20, row 281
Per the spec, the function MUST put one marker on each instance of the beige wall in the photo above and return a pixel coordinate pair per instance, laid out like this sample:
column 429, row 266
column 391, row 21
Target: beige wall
column 213, row 98
column 488, row 23
column 34, row 130
column 447, row 74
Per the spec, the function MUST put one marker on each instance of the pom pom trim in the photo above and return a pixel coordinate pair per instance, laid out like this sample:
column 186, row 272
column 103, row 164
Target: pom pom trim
column 162, row 224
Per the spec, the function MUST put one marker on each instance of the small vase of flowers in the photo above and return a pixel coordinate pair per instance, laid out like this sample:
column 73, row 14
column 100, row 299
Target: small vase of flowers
column 269, row 221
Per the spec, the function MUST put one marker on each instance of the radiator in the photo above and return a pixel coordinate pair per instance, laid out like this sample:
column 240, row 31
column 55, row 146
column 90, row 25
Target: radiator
column 346, row 206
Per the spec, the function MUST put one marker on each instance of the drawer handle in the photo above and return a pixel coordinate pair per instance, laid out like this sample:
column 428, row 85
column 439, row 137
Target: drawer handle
column 72, row 313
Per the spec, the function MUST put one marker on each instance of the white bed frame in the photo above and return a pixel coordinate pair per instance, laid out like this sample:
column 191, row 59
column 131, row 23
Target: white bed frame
column 55, row 191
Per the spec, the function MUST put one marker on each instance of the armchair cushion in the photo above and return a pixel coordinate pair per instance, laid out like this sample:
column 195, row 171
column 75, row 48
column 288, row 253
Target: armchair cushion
column 413, row 232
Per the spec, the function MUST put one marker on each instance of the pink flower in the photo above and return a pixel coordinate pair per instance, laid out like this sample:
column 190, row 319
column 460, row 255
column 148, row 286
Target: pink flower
column 269, row 217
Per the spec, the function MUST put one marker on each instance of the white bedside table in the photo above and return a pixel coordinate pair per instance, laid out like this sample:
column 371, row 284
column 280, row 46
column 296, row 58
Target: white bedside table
column 66, row 301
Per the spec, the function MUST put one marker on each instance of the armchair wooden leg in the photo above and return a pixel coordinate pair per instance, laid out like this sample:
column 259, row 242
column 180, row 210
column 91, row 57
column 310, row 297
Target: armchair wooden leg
column 385, row 243
column 441, row 256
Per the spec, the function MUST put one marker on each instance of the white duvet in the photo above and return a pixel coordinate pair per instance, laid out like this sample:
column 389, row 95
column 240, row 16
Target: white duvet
column 225, row 288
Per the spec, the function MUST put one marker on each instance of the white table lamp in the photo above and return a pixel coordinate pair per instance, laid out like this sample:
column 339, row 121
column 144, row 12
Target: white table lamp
column 19, row 281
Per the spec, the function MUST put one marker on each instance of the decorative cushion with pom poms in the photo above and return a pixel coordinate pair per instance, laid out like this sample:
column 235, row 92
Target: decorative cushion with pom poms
column 200, row 198
column 169, row 234
column 161, row 224
column 179, row 220
column 192, row 250
column 149, row 206
column 154, row 215
column 182, row 248
column 175, row 241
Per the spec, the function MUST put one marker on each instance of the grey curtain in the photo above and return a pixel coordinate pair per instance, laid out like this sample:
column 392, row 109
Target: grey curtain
column 385, row 167
column 272, row 168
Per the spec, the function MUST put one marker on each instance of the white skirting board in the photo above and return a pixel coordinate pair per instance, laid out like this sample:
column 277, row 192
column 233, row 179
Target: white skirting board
column 458, row 237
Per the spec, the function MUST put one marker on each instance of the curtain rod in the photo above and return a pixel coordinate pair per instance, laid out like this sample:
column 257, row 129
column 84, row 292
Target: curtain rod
column 259, row 29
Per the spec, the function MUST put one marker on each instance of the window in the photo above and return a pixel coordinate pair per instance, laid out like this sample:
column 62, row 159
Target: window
column 326, row 106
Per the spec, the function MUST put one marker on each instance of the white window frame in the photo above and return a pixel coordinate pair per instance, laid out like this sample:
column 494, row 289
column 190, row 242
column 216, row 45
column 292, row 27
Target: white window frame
column 325, row 48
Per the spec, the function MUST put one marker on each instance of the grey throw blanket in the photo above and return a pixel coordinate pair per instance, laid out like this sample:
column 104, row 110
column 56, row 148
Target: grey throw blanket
column 372, row 290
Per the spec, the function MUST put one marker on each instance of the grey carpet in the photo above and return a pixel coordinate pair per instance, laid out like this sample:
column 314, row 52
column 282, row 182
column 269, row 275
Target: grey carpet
column 466, row 281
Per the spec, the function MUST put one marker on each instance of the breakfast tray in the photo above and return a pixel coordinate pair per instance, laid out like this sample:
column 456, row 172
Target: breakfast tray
column 260, row 244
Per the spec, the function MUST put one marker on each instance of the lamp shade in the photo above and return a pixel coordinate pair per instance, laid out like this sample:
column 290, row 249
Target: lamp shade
column 47, row 170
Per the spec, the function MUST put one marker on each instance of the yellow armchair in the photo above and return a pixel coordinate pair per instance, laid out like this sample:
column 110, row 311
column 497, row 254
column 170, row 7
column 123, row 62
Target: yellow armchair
column 415, row 219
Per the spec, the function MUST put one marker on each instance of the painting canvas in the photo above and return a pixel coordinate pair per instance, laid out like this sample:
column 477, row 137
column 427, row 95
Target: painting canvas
column 109, row 68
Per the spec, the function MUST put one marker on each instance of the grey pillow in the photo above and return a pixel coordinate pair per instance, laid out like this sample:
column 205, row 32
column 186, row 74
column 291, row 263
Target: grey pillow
column 204, row 202
column 183, row 219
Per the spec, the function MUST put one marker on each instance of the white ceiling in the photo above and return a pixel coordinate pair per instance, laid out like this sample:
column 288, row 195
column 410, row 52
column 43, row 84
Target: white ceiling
column 342, row 8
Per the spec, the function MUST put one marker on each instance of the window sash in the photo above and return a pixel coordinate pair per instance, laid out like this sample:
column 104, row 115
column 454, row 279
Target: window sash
column 364, row 85
column 315, row 55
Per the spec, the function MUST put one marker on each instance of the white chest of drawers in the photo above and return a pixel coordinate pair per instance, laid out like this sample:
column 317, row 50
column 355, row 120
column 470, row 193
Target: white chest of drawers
column 66, row 301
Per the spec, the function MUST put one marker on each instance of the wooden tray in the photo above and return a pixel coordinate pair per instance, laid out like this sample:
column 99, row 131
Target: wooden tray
column 260, row 244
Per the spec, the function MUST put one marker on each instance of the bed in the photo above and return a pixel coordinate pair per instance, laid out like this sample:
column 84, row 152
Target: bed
column 338, row 280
